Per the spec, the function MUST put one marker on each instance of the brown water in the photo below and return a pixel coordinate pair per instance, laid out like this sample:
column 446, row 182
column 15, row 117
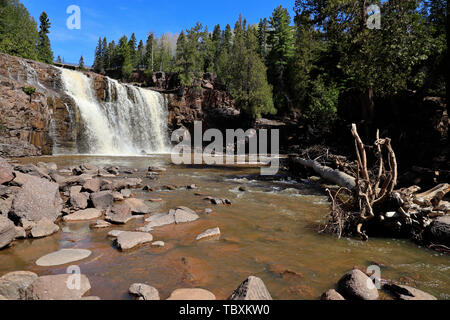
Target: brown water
column 269, row 229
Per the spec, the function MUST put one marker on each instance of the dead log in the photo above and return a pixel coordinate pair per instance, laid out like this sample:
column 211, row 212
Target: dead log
column 335, row 176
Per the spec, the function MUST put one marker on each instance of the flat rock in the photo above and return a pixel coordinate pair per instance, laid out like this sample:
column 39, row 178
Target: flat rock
column 128, row 240
column 184, row 215
column 144, row 292
column 160, row 219
column 7, row 231
column 62, row 257
column 126, row 193
column 37, row 199
column 44, row 228
column 14, row 284
column 114, row 233
column 102, row 200
column 58, row 287
column 20, row 233
column 356, row 285
column 6, row 171
column 101, row 224
column 130, row 183
column 253, row 288
column 84, row 215
column 209, row 233
column 403, row 292
column 332, row 295
column 192, row 294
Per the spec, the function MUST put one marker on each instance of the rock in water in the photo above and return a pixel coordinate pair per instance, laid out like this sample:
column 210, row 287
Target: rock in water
column 102, row 200
column 101, row 224
column 403, row 292
column 159, row 244
column 7, row 231
column 209, row 233
column 440, row 231
column 119, row 214
column 137, row 206
column 37, row 199
column 253, row 288
column 84, row 215
column 332, row 295
column 184, row 215
column 6, row 172
column 192, row 294
column 59, row 287
column 144, row 292
column 62, row 257
column 79, row 201
column 128, row 240
column 44, row 228
column 14, row 284
column 357, row 285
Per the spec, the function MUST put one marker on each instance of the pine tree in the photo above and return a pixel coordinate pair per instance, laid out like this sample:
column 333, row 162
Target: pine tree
column 124, row 58
column 262, row 38
column 44, row 48
column 140, row 55
column 81, row 63
column 149, row 53
column 132, row 44
column 181, row 65
column 281, row 44
column 58, row 60
column 98, row 61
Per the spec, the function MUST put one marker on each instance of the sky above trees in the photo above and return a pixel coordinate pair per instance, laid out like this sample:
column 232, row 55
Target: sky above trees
column 114, row 18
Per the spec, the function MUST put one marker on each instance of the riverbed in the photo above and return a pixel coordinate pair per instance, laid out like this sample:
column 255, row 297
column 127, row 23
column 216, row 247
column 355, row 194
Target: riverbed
column 271, row 231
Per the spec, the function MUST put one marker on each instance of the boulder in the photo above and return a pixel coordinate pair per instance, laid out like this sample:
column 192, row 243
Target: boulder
column 20, row 233
column 118, row 196
column 33, row 170
column 144, row 292
column 14, row 284
column 102, row 200
column 332, row 295
column 7, row 231
column 6, row 204
column 209, row 233
column 44, row 228
column 6, row 172
column 92, row 185
column 137, row 206
column 160, row 219
column 403, row 292
column 84, row 215
column 119, row 214
column 114, row 233
column 126, row 193
column 130, row 183
column 253, row 288
column 79, row 201
column 58, row 287
column 62, row 257
column 128, row 240
column 37, row 199
column 192, row 294
column 356, row 285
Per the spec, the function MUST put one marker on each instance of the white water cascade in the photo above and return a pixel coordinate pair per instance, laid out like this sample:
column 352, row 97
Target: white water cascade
column 132, row 121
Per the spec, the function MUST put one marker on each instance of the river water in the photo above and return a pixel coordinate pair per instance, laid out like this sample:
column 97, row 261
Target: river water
column 270, row 231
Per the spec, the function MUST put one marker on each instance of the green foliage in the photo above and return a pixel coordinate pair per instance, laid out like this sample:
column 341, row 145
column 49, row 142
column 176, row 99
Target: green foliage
column 29, row 91
column 81, row 63
column 45, row 52
column 18, row 30
column 322, row 102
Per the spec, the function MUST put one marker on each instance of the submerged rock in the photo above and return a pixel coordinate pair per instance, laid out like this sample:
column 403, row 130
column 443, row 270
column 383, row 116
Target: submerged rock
column 160, row 244
column 192, row 294
column 253, row 288
column 14, row 284
column 101, row 224
column 128, row 240
column 84, row 215
column 62, row 257
column 58, row 287
column 357, row 285
column 7, row 231
column 209, row 233
column 144, row 292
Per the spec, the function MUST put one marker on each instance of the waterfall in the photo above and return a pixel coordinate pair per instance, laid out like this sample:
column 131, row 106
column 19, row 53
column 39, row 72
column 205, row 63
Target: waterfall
column 131, row 121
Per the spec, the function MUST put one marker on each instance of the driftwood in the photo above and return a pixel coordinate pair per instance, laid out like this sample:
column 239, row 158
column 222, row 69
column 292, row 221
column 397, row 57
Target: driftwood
column 374, row 196
column 335, row 176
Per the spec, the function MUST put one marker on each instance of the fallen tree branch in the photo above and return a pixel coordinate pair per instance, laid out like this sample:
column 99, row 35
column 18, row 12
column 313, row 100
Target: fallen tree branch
column 337, row 177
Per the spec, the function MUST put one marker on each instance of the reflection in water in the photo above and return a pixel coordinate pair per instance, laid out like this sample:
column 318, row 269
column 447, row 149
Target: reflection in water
column 270, row 231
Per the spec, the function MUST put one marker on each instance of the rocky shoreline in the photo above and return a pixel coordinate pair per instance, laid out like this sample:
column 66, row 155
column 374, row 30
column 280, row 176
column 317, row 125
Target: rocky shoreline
column 34, row 199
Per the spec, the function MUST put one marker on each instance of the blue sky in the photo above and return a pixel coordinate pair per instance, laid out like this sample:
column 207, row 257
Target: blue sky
column 114, row 18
